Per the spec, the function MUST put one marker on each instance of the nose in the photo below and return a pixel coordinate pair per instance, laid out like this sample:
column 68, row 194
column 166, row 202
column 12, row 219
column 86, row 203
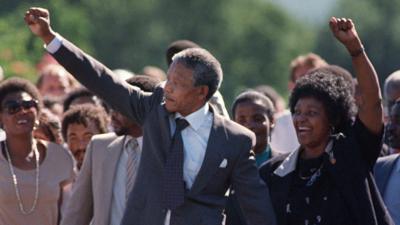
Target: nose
column 167, row 87
column 82, row 145
column 298, row 118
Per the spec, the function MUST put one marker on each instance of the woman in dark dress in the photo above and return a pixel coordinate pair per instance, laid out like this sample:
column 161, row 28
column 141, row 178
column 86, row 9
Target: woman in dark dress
column 328, row 179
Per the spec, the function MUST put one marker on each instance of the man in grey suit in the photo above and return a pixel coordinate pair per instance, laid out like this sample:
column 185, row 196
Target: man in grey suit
column 100, row 192
column 387, row 169
column 216, row 151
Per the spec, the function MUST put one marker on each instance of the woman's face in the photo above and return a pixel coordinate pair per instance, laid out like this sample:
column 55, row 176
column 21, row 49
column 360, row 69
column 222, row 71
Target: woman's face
column 254, row 117
column 311, row 123
column 19, row 113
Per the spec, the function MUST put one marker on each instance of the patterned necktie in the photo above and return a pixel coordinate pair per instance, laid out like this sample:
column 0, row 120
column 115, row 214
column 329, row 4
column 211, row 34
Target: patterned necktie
column 131, row 164
column 173, row 185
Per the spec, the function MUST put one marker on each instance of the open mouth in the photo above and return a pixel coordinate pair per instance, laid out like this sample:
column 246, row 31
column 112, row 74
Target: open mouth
column 303, row 130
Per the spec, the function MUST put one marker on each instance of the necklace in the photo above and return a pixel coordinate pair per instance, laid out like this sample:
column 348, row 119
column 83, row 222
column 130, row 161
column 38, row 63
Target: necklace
column 313, row 177
column 15, row 181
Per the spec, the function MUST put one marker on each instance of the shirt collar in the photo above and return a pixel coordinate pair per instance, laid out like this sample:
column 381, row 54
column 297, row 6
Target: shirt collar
column 138, row 139
column 290, row 162
column 196, row 119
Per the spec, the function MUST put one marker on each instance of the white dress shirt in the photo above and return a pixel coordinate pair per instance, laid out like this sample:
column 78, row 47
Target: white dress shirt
column 195, row 138
column 392, row 193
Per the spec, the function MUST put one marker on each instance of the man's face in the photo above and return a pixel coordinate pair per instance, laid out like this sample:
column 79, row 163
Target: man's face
column 180, row 93
column 124, row 126
column 392, row 129
column 78, row 137
column 54, row 85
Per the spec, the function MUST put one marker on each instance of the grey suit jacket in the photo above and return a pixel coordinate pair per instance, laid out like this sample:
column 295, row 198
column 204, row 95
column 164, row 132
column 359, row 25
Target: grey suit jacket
column 383, row 168
column 204, row 202
column 92, row 192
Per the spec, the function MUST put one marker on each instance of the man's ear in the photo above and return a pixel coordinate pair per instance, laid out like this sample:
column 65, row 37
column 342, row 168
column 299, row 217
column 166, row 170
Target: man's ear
column 203, row 92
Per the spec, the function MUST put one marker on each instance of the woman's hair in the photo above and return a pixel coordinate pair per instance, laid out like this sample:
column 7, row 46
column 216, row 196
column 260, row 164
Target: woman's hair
column 332, row 90
column 16, row 84
column 50, row 125
column 84, row 114
column 255, row 97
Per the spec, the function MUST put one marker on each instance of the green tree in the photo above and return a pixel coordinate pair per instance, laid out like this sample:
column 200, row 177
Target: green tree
column 254, row 40
column 20, row 51
column 377, row 23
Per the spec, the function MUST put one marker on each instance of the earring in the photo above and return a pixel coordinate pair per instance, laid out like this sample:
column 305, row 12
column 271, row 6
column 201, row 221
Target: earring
column 36, row 124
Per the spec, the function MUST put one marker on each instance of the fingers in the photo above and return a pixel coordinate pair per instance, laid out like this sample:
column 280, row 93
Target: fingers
column 34, row 14
column 39, row 12
column 333, row 25
column 341, row 24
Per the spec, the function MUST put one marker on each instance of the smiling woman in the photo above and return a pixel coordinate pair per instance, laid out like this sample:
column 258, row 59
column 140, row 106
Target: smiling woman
column 328, row 179
column 33, row 173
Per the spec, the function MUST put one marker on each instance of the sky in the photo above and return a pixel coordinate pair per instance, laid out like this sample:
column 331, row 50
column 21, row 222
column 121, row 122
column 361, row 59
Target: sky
column 313, row 12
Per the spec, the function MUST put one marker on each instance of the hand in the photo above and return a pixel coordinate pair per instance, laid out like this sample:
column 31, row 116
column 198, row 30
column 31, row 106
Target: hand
column 38, row 20
column 345, row 32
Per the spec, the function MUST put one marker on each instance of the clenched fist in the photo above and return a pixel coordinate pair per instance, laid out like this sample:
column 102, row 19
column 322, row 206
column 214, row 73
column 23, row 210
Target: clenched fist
column 38, row 20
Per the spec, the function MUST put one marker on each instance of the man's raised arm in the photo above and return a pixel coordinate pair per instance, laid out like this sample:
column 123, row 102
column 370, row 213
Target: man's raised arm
column 92, row 74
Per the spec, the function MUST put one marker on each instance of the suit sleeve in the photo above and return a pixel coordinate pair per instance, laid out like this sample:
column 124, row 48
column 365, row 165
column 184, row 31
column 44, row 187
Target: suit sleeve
column 79, row 209
column 251, row 191
column 122, row 97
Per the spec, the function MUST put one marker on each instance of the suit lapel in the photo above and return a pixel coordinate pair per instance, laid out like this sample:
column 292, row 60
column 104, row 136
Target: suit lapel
column 109, row 168
column 279, row 189
column 388, row 167
column 165, row 129
column 214, row 154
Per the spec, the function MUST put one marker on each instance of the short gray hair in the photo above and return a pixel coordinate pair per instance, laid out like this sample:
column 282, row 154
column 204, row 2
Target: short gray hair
column 206, row 68
column 392, row 82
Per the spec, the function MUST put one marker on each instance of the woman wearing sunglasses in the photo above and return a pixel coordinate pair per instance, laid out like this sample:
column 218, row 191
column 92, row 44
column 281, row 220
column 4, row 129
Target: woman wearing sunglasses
column 33, row 172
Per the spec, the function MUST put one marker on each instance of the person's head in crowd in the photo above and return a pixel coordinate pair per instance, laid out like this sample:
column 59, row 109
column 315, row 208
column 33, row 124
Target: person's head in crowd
column 215, row 100
column 255, row 111
column 78, row 126
column 193, row 78
column 274, row 96
column 121, row 124
column 154, row 71
column 123, row 74
column 1, row 74
column 392, row 128
column 54, row 105
column 178, row 46
column 49, row 127
column 20, row 106
column 302, row 64
column 82, row 96
column 391, row 89
column 322, row 104
column 53, row 80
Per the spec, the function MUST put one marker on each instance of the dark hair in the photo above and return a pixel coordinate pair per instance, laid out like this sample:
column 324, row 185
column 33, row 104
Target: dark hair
column 50, row 125
column 84, row 114
column 145, row 83
column 206, row 68
column 339, row 71
column 269, row 92
column 255, row 96
column 81, row 93
column 178, row 46
column 15, row 84
column 333, row 91
column 75, row 94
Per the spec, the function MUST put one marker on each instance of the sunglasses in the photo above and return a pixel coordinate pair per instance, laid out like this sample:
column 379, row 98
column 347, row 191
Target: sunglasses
column 13, row 107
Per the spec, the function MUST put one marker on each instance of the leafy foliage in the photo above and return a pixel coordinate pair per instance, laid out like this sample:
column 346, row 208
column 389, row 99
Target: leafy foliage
column 254, row 40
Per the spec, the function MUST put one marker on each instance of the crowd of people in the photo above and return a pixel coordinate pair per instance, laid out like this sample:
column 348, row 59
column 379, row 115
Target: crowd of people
column 89, row 145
